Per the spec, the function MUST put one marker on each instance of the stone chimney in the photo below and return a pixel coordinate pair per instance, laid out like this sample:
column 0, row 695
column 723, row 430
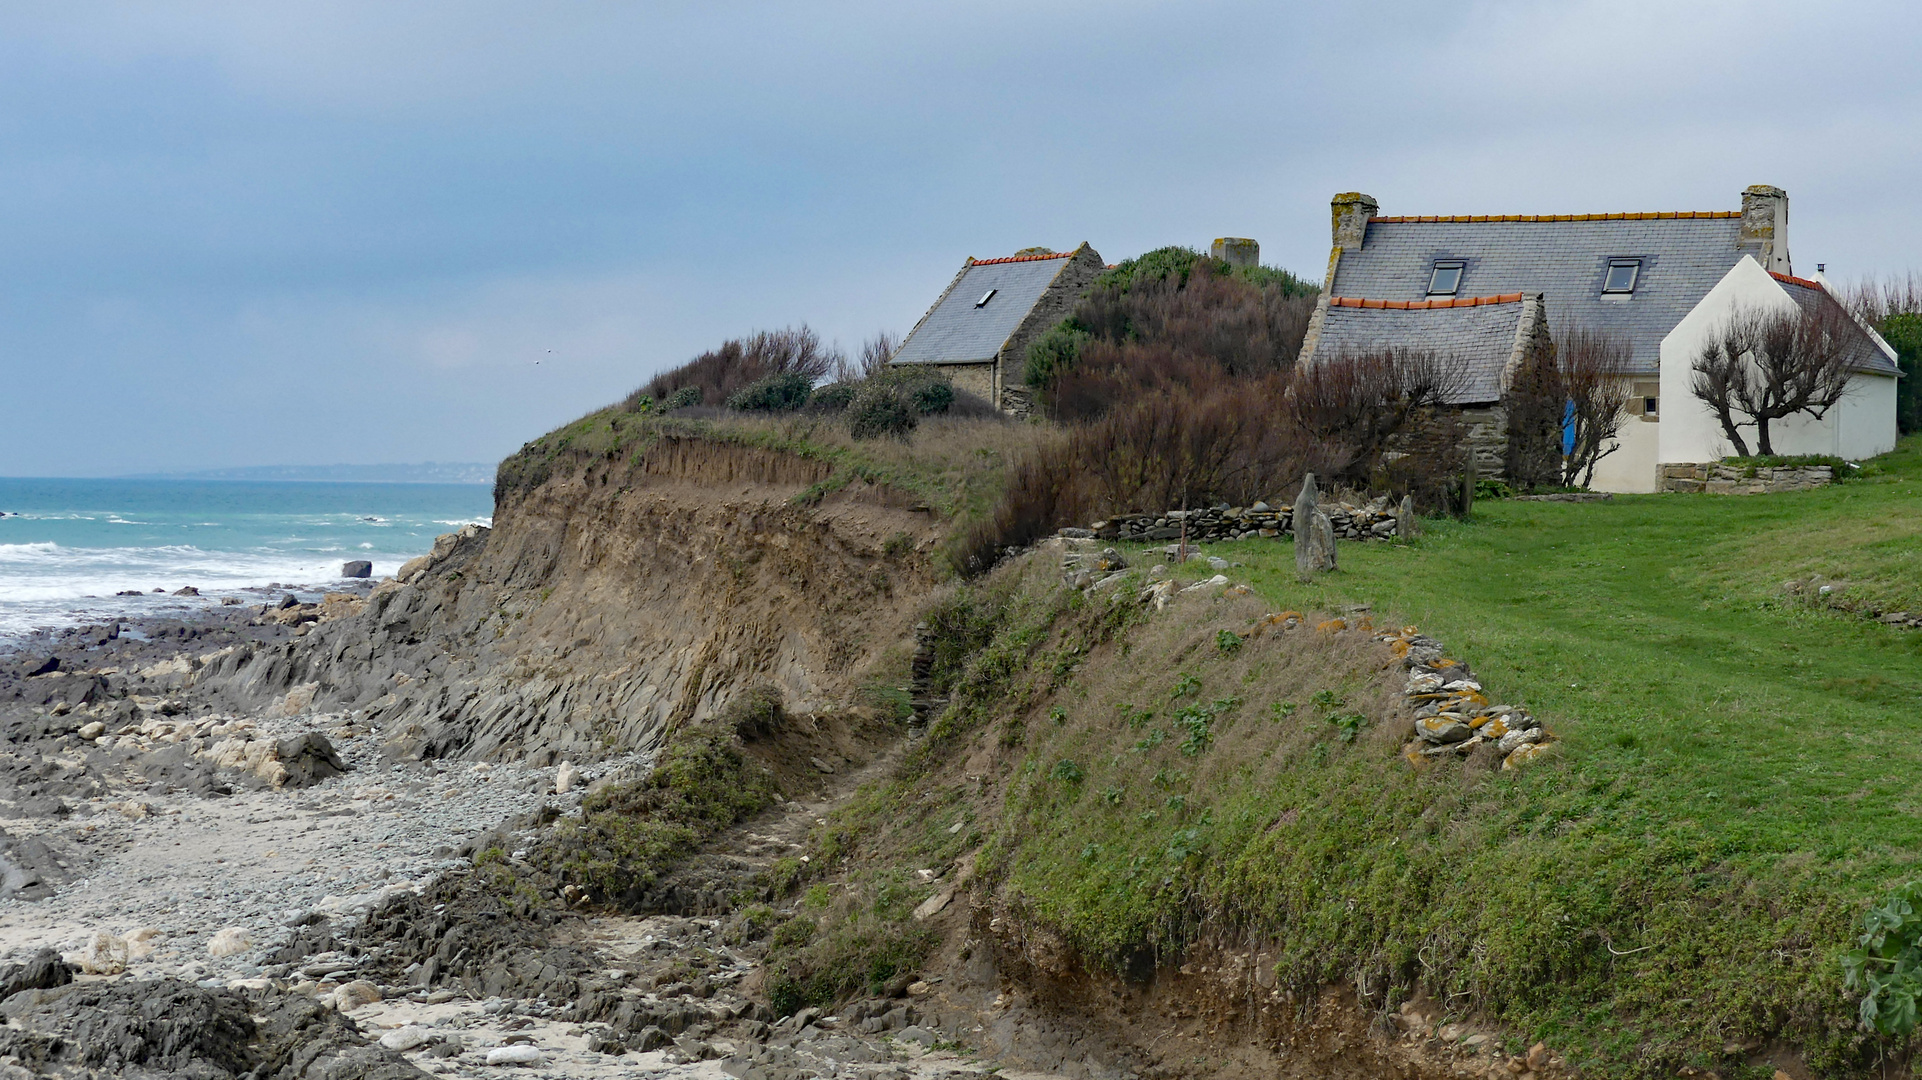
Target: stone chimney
column 1237, row 251
column 1352, row 210
column 1765, row 227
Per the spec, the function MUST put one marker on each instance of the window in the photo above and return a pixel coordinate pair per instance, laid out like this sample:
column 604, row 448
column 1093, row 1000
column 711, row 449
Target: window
column 1621, row 275
column 985, row 297
column 1648, row 406
column 1446, row 278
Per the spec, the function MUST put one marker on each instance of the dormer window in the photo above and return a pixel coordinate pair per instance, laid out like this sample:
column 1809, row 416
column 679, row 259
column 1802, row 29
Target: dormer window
column 1621, row 276
column 1445, row 278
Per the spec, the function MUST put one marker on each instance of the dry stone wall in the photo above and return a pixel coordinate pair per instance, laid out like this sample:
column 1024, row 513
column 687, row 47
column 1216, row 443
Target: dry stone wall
column 1716, row 478
column 1379, row 519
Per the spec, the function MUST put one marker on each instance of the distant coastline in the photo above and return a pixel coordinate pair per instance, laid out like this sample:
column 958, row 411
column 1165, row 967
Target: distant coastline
column 426, row 472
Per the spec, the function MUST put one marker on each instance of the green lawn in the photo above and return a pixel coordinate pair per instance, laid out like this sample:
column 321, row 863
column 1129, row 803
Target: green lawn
column 1655, row 632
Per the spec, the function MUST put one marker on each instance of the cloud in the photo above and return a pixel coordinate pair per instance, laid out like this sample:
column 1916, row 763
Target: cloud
column 380, row 212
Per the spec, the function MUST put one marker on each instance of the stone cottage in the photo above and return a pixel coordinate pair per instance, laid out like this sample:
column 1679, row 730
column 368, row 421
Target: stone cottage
column 1483, row 287
column 979, row 330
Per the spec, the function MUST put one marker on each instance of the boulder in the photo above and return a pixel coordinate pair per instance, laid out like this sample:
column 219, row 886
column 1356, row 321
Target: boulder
column 404, row 1038
column 1443, row 730
column 358, row 568
column 42, row 971
column 287, row 600
column 308, row 758
column 186, row 590
column 232, row 941
column 45, row 667
column 353, row 995
column 1314, row 533
column 519, row 1054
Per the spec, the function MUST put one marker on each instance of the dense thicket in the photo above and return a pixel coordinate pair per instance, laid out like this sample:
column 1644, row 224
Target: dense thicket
column 1894, row 307
column 1171, row 320
column 1175, row 380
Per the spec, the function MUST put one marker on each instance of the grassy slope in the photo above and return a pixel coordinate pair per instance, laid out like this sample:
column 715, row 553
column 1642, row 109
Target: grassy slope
column 1741, row 771
column 1738, row 775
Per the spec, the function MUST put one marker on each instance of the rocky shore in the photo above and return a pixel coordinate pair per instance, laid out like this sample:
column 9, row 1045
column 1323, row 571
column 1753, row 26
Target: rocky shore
column 243, row 893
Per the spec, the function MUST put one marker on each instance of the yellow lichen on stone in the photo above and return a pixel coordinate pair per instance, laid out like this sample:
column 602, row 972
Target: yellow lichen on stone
column 1332, row 626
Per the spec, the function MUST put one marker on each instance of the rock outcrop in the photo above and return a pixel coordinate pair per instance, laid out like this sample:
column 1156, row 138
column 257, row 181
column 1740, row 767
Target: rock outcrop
column 612, row 599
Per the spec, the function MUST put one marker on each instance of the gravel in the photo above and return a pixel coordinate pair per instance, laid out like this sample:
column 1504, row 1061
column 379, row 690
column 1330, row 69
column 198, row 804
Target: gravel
column 262, row 860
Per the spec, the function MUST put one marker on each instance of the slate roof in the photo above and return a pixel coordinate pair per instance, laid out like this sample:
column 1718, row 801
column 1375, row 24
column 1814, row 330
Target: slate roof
column 1565, row 257
column 1865, row 354
column 1480, row 332
column 955, row 331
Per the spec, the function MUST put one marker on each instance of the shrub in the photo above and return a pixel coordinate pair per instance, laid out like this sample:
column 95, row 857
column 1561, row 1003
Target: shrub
column 685, row 397
column 721, row 373
column 780, row 392
column 833, row 397
column 754, row 713
column 882, row 409
column 1055, row 351
column 631, row 834
column 933, row 396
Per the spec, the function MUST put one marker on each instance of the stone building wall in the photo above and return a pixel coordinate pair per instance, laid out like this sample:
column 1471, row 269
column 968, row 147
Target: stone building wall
column 1486, row 439
column 976, row 379
column 1054, row 306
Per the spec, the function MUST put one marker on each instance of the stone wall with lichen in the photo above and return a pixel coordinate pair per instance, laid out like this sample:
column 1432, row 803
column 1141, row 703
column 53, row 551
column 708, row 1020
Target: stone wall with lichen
column 1715, row 478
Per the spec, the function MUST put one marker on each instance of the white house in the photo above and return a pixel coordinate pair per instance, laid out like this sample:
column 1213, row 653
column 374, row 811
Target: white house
column 1482, row 287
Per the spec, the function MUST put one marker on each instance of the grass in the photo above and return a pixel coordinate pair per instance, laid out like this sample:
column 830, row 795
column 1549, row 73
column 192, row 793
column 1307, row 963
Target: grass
column 1739, row 774
column 953, row 465
column 1737, row 779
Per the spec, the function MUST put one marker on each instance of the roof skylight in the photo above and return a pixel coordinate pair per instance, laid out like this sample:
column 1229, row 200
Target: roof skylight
column 985, row 297
column 1621, row 275
column 1445, row 279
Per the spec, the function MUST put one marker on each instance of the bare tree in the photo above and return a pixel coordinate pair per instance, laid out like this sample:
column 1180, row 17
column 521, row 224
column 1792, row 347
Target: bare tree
column 1358, row 402
column 1565, row 408
column 1766, row 365
column 873, row 360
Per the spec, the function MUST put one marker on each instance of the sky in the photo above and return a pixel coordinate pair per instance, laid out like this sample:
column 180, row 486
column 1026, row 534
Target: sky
column 239, row 234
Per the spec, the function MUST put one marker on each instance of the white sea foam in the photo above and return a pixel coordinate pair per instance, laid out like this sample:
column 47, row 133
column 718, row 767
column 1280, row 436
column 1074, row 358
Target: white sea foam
column 68, row 546
column 44, row 585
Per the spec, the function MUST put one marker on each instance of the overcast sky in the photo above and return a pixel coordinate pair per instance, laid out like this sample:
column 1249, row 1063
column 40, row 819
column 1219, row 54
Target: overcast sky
column 309, row 233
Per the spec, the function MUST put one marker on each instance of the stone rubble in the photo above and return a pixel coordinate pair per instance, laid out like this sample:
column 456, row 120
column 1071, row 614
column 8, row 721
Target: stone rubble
column 1453, row 714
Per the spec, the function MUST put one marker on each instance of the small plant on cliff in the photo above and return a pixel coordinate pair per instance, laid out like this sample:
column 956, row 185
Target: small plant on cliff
column 683, row 398
column 1885, row 967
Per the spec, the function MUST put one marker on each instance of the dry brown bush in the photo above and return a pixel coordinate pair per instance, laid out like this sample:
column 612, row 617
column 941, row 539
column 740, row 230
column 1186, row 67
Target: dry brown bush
column 1353, row 405
column 719, row 373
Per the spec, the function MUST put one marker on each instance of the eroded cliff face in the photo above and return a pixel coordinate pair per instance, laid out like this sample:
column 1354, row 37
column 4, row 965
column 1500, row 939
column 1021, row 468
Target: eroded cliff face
column 615, row 597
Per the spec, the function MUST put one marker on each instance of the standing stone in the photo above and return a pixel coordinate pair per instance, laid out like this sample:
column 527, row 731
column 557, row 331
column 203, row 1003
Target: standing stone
column 1407, row 525
column 1314, row 533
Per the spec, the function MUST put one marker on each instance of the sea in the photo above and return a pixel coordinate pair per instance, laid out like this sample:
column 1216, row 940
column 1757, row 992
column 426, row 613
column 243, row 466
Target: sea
column 68, row 547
